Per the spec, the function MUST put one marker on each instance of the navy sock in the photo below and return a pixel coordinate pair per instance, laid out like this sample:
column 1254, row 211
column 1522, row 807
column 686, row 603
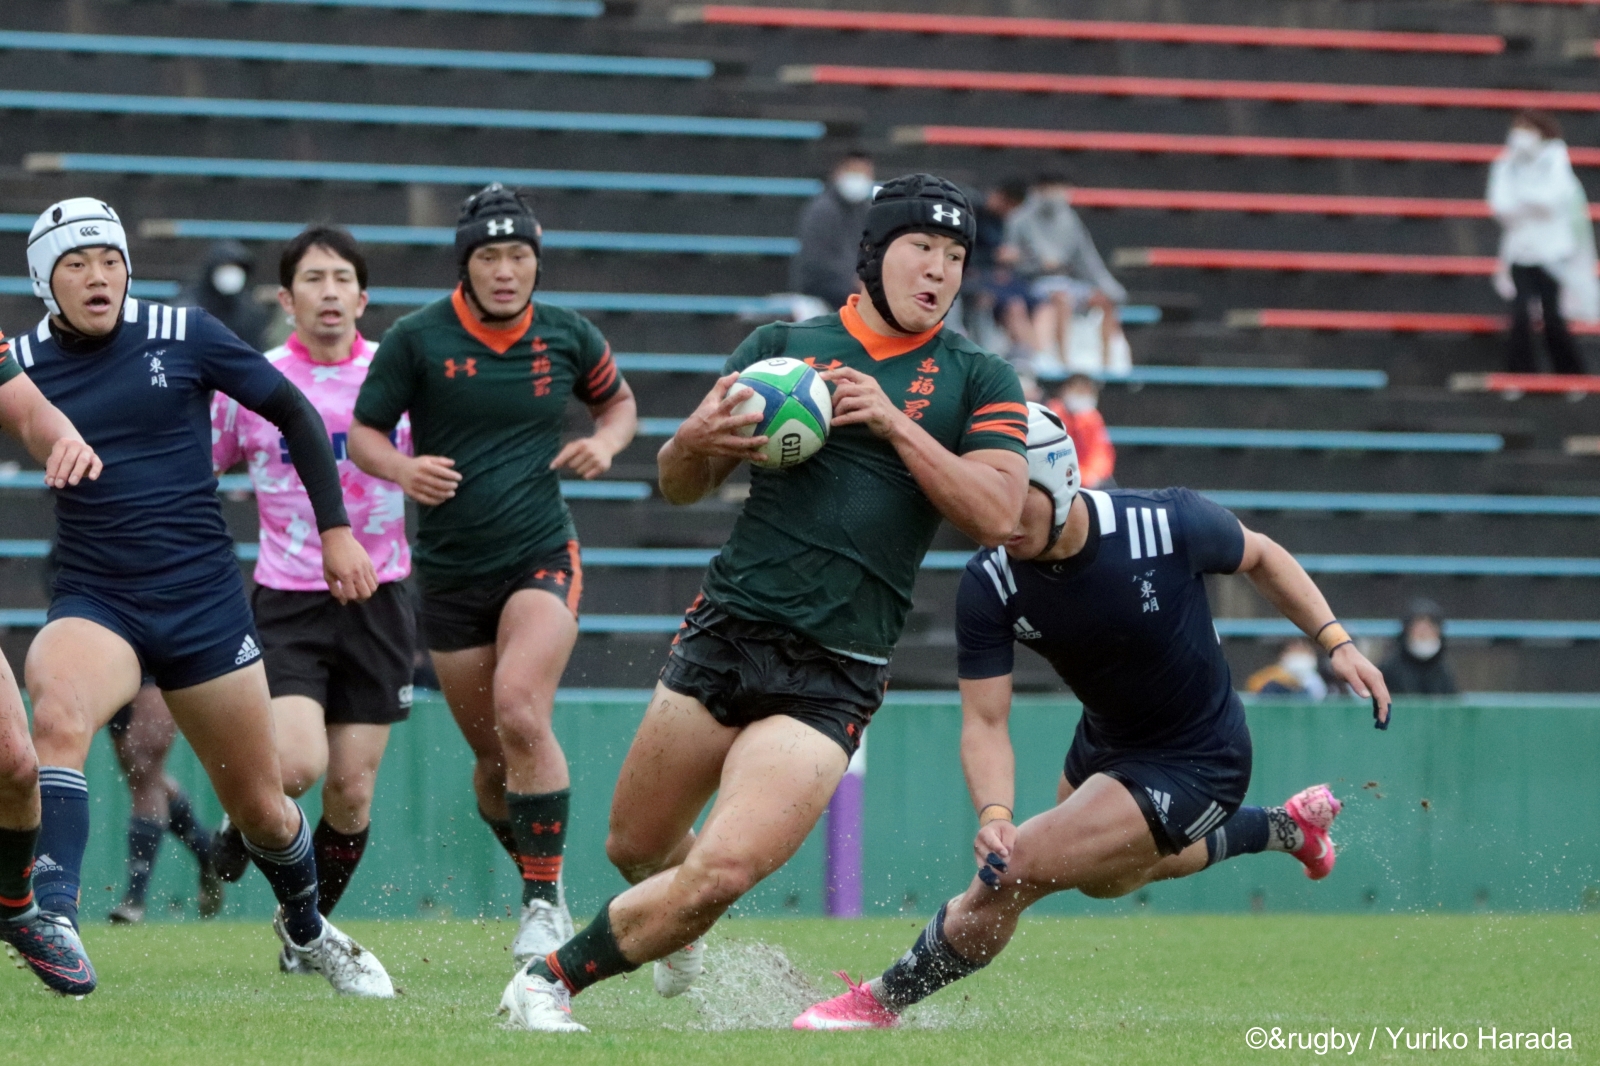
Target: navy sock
column 186, row 827
column 930, row 965
column 1246, row 833
column 144, row 842
column 501, row 828
column 16, row 870
column 338, row 855
column 63, row 836
column 292, row 873
column 589, row 957
column 539, row 825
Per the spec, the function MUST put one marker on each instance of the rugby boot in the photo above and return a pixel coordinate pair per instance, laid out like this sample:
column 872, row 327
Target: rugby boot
column 541, row 929
column 349, row 967
column 229, row 857
column 538, row 1006
column 1313, row 810
column 52, row 950
column 675, row 973
column 856, row 1008
column 128, row 912
column 210, row 896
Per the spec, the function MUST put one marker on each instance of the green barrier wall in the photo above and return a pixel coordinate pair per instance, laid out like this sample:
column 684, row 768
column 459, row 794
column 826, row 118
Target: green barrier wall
column 1510, row 822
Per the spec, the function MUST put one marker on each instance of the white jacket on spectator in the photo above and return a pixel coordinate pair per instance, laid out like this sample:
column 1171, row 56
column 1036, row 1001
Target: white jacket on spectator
column 1544, row 216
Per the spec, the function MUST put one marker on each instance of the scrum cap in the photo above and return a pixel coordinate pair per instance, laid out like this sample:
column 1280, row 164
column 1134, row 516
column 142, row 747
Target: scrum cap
column 81, row 222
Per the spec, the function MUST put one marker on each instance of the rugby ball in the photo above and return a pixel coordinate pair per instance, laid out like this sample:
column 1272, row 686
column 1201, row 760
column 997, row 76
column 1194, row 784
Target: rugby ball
column 795, row 406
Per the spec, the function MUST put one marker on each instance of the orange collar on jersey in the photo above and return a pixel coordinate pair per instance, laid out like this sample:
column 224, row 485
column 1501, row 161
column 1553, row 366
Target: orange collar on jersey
column 498, row 339
column 877, row 345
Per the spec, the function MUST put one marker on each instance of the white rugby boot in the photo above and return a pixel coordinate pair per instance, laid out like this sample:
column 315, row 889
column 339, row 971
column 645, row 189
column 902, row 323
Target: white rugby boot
column 350, row 968
column 542, row 928
column 674, row 974
column 536, row 1005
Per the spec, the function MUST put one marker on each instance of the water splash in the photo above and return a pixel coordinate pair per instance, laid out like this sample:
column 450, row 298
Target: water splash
column 749, row 984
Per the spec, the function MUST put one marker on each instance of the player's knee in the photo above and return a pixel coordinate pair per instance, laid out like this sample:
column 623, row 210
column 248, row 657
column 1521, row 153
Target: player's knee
column 350, row 792
column 266, row 821
column 19, row 774
column 634, row 858
column 715, row 882
column 520, row 725
column 61, row 729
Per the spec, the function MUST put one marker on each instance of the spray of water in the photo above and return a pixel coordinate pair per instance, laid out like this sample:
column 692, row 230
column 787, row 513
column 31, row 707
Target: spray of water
column 749, row 984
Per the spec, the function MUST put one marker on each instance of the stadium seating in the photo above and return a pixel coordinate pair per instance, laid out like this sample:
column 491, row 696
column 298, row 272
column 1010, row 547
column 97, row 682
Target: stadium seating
column 1513, row 385
column 310, row 52
column 403, row 115
column 410, row 173
column 1283, row 203
column 1385, row 321
column 1072, row 29
column 587, row 9
column 1336, row 262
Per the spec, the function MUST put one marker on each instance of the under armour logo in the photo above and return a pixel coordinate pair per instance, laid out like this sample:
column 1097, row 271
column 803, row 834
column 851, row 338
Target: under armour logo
column 501, row 227
column 452, row 368
column 948, row 215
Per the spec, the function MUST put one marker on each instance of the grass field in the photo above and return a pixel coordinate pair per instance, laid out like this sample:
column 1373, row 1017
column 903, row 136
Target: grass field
column 1160, row 990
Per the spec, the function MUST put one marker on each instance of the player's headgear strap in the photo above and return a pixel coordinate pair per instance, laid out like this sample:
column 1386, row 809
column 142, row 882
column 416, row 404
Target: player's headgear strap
column 1052, row 464
column 81, row 222
column 496, row 213
column 916, row 203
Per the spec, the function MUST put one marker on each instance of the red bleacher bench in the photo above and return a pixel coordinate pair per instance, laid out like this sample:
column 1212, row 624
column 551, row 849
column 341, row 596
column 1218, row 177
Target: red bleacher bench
column 1190, row 88
column 1376, row 321
column 1082, row 30
column 1212, row 144
column 1282, row 203
column 1516, row 384
column 1332, row 262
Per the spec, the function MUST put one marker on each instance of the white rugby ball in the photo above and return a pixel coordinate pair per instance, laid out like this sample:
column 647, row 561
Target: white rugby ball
column 795, row 406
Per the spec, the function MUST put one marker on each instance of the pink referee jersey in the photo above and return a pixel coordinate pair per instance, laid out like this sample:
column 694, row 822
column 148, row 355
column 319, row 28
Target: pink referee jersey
column 291, row 550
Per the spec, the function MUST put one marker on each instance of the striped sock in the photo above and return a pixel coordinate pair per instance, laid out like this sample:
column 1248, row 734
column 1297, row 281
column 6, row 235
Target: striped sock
column 930, row 965
column 292, row 873
column 16, row 871
column 539, row 823
column 63, row 836
column 1246, row 833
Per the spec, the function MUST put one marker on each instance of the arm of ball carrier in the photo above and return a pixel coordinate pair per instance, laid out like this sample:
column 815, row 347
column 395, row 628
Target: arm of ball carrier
column 980, row 493
column 47, row 434
column 990, row 767
column 1286, row 585
column 708, row 446
column 615, row 422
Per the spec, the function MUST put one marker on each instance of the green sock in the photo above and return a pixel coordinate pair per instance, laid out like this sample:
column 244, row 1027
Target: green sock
column 589, row 957
column 539, row 825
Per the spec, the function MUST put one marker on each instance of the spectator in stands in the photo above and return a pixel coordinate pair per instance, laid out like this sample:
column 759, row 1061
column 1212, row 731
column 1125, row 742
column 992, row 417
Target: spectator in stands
column 1547, row 250
column 998, row 292
column 1051, row 248
column 223, row 288
column 830, row 234
column 1077, row 402
column 1418, row 665
column 1294, row 673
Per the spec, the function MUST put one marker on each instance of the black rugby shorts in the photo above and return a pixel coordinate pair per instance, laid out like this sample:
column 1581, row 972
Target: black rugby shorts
column 457, row 619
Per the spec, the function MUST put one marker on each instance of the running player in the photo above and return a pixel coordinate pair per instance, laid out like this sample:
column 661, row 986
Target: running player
column 783, row 659
column 141, row 736
column 340, row 674
column 47, row 942
column 1108, row 587
column 148, row 581
column 486, row 374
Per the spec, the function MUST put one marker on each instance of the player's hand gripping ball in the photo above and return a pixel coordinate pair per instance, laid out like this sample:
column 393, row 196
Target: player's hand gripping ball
column 795, row 407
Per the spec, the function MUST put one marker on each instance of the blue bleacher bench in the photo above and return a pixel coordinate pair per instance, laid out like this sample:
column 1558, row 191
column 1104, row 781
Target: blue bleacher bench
column 418, row 174
column 305, row 52
column 578, row 9
column 1320, row 440
column 641, row 302
column 571, row 489
column 407, row 115
column 444, row 237
column 144, row 290
column 1404, row 502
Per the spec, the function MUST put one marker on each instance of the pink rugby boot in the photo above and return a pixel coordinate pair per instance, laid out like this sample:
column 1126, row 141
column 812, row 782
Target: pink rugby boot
column 1313, row 810
column 856, row 1009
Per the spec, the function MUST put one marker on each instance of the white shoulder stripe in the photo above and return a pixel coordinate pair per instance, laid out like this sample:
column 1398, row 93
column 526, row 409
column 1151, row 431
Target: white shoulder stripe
column 1166, row 531
column 1149, row 532
column 155, row 323
column 1102, row 506
column 25, row 351
column 1004, row 564
column 988, row 567
column 183, row 327
column 130, row 310
column 1133, row 533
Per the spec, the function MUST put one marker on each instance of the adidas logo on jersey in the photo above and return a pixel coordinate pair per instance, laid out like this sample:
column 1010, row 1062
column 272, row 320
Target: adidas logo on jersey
column 1024, row 629
column 247, row 651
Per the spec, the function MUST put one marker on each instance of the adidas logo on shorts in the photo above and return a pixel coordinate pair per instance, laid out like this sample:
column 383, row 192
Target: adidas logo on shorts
column 247, row 651
column 405, row 695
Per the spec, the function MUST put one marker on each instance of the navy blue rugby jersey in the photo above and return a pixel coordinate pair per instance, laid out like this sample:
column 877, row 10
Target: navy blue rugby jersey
column 1125, row 622
column 142, row 399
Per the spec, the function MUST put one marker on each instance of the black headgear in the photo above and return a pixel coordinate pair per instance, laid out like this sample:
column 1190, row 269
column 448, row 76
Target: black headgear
column 496, row 213
column 916, row 203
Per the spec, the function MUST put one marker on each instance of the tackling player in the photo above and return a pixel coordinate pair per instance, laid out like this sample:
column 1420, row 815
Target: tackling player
column 340, row 674
column 148, row 581
column 1108, row 587
column 48, row 943
column 783, row 659
column 485, row 374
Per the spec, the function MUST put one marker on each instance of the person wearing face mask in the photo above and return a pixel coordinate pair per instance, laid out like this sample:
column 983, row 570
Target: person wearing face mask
column 1050, row 247
column 1547, row 249
column 1077, row 404
column 830, row 233
column 1293, row 674
column 223, row 289
column 1417, row 665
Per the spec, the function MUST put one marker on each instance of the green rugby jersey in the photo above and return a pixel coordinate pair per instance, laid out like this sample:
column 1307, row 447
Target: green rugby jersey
column 831, row 547
column 492, row 400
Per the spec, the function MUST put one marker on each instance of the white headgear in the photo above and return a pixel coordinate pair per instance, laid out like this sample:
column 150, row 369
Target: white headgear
column 82, row 222
column 1052, row 464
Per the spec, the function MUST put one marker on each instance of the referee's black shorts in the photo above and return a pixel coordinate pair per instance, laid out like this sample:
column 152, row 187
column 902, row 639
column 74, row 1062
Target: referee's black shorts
column 355, row 659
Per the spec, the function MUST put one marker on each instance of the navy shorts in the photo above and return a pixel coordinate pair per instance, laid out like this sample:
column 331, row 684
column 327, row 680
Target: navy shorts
column 183, row 635
column 1183, row 794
